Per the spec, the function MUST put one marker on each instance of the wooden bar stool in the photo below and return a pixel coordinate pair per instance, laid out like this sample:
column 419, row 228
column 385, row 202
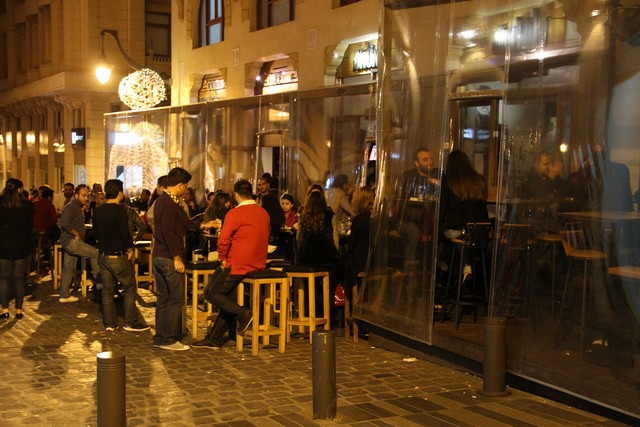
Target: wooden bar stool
column 142, row 248
column 276, row 300
column 194, row 270
column 307, row 316
column 475, row 241
column 555, row 241
column 574, row 244
column 56, row 270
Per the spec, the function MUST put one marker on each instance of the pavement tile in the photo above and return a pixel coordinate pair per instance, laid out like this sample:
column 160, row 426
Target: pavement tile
column 49, row 363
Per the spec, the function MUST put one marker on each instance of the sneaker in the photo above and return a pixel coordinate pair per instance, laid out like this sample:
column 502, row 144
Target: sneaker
column 69, row 299
column 110, row 328
column 135, row 327
column 205, row 343
column 176, row 346
column 245, row 321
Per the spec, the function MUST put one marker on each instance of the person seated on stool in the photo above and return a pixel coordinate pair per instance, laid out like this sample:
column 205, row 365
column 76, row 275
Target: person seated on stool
column 72, row 235
column 411, row 221
column 362, row 202
column 315, row 244
column 115, row 252
column 242, row 248
column 463, row 199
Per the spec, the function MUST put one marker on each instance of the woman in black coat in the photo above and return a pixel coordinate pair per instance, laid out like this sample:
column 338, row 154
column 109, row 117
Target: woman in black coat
column 358, row 250
column 16, row 245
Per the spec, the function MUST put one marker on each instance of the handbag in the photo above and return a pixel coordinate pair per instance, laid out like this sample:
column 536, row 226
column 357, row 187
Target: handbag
column 338, row 296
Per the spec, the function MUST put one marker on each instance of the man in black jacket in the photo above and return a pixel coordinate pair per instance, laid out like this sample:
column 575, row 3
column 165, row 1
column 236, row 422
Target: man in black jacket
column 115, row 253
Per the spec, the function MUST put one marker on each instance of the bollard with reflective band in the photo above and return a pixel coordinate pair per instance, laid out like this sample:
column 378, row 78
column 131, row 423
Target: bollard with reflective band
column 495, row 358
column 325, row 391
column 111, row 389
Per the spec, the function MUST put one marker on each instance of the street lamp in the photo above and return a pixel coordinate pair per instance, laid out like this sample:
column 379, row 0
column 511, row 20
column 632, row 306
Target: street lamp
column 144, row 88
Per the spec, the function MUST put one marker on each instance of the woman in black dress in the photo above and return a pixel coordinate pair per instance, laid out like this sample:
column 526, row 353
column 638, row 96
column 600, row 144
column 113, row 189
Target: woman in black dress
column 16, row 245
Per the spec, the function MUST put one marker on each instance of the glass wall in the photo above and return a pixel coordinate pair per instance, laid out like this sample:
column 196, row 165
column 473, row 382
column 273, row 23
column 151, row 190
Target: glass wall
column 300, row 138
column 542, row 97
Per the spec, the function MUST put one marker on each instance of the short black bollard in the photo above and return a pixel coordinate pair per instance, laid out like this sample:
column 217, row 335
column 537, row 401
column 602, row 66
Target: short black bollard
column 111, row 389
column 495, row 358
column 325, row 391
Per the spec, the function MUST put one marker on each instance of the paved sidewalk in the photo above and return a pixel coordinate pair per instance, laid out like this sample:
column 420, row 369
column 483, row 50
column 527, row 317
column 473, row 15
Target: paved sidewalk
column 48, row 377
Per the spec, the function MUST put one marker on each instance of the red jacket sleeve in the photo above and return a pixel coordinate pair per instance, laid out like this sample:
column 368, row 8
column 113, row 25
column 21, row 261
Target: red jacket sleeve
column 226, row 235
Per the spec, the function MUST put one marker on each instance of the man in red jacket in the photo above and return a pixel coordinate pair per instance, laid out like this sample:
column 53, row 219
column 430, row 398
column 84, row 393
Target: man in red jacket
column 242, row 248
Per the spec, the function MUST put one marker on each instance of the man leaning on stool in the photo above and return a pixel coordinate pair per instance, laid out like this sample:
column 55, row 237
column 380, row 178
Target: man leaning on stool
column 72, row 234
column 115, row 252
column 242, row 248
column 171, row 223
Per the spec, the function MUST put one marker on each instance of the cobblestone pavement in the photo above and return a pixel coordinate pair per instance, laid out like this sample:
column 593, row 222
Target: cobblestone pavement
column 48, row 377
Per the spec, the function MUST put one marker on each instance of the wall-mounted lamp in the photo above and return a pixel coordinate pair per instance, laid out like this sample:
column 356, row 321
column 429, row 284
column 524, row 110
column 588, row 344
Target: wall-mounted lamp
column 103, row 69
column 144, row 88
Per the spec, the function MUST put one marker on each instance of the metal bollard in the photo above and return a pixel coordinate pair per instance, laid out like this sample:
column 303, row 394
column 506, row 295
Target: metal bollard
column 111, row 389
column 495, row 358
column 325, row 391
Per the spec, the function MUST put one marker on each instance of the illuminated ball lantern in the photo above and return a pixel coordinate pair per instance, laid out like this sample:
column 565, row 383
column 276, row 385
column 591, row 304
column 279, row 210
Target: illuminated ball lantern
column 142, row 89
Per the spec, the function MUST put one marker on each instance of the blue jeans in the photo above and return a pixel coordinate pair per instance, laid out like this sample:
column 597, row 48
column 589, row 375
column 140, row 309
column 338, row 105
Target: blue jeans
column 74, row 250
column 170, row 302
column 114, row 270
column 13, row 273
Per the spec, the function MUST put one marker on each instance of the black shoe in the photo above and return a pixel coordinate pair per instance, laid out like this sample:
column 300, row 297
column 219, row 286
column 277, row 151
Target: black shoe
column 19, row 316
column 244, row 322
column 205, row 343
column 4, row 316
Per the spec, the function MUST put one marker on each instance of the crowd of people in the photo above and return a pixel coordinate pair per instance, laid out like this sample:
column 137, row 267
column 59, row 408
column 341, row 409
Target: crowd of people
column 99, row 225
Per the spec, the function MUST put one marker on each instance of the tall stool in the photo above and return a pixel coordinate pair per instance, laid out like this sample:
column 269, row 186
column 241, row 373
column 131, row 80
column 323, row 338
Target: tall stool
column 307, row 316
column 196, row 269
column 141, row 248
column 552, row 240
column 348, row 312
column 475, row 240
column 276, row 300
column 574, row 244
column 56, row 271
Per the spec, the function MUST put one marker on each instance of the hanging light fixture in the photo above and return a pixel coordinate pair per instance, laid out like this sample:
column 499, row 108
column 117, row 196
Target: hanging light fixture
column 103, row 68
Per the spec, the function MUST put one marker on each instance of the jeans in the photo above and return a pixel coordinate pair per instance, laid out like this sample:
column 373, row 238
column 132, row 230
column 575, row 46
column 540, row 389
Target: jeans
column 223, row 287
column 13, row 273
column 75, row 249
column 114, row 270
column 170, row 303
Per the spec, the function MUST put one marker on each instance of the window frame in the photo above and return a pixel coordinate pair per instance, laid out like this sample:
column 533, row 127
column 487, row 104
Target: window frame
column 210, row 19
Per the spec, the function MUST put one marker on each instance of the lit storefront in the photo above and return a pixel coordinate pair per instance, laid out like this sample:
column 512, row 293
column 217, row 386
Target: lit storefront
column 504, row 83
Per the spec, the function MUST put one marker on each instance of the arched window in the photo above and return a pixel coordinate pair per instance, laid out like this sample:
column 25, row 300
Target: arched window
column 211, row 22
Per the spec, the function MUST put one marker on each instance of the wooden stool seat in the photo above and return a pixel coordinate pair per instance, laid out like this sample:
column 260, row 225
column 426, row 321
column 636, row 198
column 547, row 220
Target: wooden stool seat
column 196, row 269
column 626, row 271
column 276, row 299
column 307, row 316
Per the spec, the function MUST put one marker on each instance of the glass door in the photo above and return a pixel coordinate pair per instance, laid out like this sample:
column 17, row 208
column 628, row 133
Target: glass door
column 476, row 131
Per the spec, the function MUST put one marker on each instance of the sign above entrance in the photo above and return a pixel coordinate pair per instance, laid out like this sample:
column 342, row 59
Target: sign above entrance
column 366, row 59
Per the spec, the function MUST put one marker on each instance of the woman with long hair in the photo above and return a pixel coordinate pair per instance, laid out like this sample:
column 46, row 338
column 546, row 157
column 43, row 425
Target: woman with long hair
column 218, row 208
column 463, row 195
column 16, row 245
column 315, row 245
column 463, row 199
column 315, row 232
